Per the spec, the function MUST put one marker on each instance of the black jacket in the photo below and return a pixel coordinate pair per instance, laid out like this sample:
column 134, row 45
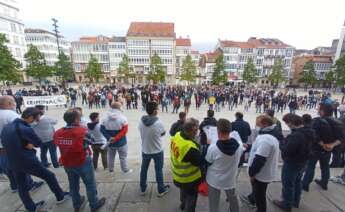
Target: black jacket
column 176, row 127
column 206, row 122
column 243, row 128
column 296, row 147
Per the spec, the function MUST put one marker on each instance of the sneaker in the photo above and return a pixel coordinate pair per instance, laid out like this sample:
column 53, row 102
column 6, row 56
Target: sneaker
column 167, row 189
column 66, row 196
column 280, row 204
column 142, row 193
column 82, row 204
column 246, row 200
column 39, row 205
column 14, row 191
column 305, row 188
column 128, row 171
column 322, row 185
column 36, row 185
column 101, row 202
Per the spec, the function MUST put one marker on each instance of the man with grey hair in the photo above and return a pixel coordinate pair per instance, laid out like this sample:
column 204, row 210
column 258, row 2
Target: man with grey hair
column 186, row 159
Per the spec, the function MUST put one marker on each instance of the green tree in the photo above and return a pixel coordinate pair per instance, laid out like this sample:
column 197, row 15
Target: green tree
column 63, row 68
column 249, row 73
column 330, row 78
column 125, row 71
column 157, row 72
column 36, row 64
column 93, row 70
column 308, row 74
column 9, row 67
column 339, row 71
column 219, row 75
column 276, row 77
column 188, row 70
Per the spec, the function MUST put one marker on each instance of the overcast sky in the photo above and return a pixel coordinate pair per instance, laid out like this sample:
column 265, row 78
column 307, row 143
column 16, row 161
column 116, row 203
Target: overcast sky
column 301, row 23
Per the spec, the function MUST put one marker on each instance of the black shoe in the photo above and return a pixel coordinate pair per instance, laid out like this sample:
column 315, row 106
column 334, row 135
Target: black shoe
column 246, row 200
column 66, row 196
column 280, row 204
column 82, row 201
column 182, row 206
column 101, row 202
column 305, row 188
column 39, row 205
column 322, row 185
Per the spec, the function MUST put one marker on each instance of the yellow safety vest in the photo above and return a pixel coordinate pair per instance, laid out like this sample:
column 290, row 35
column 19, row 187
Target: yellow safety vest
column 183, row 172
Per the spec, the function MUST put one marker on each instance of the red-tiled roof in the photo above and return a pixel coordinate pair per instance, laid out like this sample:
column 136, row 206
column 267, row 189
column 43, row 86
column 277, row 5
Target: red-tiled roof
column 322, row 59
column 270, row 43
column 151, row 29
column 183, row 42
column 94, row 39
column 242, row 45
column 195, row 52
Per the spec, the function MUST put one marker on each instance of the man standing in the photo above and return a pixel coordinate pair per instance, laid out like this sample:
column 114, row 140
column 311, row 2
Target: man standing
column 45, row 131
column 177, row 126
column 114, row 128
column 242, row 127
column 186, row 159
column 73, row 142
column 151, row 132
column 224, row 157
column 295, row 150
column 208, row 127
column 263, row 162
column 19, row 141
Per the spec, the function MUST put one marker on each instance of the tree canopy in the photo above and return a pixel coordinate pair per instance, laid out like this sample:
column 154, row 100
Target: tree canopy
column 219, row 75
column 249, row 74
column 93, row 70
column 308, row 74
column 9, row 66
column 339, row 71
column 125, row 71
column 63, row 68
column 276, row 77
column 156, row 73
column 188, row 70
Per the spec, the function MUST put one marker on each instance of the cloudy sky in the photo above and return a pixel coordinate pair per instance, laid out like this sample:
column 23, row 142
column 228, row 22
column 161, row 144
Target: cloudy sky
column 301, row 23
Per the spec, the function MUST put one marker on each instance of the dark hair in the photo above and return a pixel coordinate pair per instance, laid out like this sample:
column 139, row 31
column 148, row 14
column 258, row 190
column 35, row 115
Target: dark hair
column 327, row 109
column 265, row 119
column 70, row 116
column 151, row 107
column 31, row 111
column 189, row 125
column 182, row 115
column 210, row 113
column 307, row 119
column 224, row 126
column 270, row 112
column 93, row 116
column 293, row 119
column 239, row 115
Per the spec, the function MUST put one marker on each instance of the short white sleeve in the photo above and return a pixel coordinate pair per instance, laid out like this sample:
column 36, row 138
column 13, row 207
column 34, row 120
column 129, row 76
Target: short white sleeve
column 210, row 156
column 264, row 149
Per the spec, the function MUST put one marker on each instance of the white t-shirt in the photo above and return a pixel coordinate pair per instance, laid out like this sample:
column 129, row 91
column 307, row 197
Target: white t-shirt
column 151, row 137
column 223, row 171
column 6, row 117
column 267, row 146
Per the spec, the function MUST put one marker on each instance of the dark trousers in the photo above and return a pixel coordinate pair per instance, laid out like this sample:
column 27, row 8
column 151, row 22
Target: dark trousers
column 323, row 158
column 292, row 183
column 158, row 159
column 97, row 150
column 38, row 170
column 188, row 198
column 337, row 157
column 258, row 195
column 53, row 155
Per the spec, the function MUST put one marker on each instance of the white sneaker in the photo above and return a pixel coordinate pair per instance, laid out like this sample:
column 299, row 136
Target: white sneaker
column 142, row 193
column 128, row 171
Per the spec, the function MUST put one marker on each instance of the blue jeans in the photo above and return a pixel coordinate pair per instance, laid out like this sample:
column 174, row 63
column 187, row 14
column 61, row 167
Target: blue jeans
column 323, row 158
column 87, row 174
column 10, row 174
column 158, row 159
column 38, row 170
column 292, row 183
column 53, row 156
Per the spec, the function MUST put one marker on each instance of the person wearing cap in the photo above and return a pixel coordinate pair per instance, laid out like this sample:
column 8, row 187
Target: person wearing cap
column 44, row 129
column 19, row 140
column 114, row 128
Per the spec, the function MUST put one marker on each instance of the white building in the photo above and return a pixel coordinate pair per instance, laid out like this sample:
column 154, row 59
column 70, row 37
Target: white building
column 183, row 48
column 341, row 44
column 117, row 49
column 207, row 65
column 82, row 51
column 13, row 28
column 46, row 43
column 264, row 52
column 144, row 39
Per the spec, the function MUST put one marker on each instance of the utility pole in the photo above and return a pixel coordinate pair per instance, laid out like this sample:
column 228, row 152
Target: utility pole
column 56, row 27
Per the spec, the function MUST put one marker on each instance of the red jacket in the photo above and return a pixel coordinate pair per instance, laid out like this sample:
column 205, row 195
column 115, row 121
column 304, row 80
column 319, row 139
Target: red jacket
column 71, row 144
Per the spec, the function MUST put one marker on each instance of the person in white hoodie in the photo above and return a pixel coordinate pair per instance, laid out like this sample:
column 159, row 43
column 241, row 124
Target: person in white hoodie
column 224, row 157
column 114, row 128
column 94, row 128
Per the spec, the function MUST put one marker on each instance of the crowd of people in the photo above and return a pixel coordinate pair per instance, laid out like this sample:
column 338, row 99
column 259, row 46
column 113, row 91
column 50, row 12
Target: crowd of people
column 212, row 157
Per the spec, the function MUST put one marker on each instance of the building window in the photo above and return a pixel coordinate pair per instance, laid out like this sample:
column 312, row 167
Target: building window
column 13, row 27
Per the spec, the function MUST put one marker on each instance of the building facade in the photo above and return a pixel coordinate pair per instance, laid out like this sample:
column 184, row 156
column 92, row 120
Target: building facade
column 13, row 28
column 117, row 50
column 341, row 44
column 207, row 65
column 183, row 49
column 144, row 39
column 86, row 47
column 263, row 51
column 322, row 65
column 46, row 42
